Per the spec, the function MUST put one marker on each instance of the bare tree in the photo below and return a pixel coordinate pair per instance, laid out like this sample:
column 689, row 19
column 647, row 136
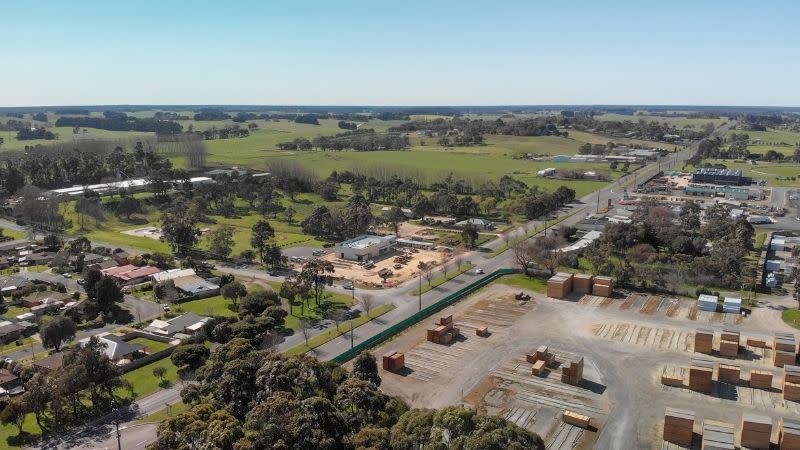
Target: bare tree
column 366, row 303
column 305, row 329
column 428, row 273
column 546, row 251
column 337, row 316
column 523, row 254
column 459, row 261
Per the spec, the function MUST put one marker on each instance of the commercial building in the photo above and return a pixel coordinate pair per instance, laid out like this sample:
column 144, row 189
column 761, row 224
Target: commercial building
column 728, row 177
column 711, row 190
column 365, row 247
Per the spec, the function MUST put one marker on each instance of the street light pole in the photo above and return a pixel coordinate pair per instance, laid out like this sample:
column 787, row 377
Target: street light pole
column 352, row 330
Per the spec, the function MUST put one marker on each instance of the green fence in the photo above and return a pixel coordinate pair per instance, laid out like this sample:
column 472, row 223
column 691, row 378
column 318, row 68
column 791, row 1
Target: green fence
column 417, row 317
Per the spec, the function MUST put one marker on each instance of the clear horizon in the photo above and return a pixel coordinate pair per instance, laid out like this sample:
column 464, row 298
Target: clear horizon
column 415, row 54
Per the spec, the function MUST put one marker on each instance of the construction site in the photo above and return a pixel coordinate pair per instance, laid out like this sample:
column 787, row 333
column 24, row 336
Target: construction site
column 389, row 270
column 597, row 368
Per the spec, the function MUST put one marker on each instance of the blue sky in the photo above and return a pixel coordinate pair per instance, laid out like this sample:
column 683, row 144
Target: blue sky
column 432, row 52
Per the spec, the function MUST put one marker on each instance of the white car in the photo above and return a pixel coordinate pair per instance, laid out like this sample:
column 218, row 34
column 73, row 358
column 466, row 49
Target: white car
column 67, row 275
column 478, row 271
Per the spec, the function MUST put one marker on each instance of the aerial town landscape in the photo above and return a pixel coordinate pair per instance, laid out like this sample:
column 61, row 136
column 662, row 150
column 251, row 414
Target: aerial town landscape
column 341, row 253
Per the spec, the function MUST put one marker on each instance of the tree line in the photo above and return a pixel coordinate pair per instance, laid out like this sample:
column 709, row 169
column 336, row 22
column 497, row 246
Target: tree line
column 117, row 121
column 248, row 398
column 642, row 129
column 358, row 140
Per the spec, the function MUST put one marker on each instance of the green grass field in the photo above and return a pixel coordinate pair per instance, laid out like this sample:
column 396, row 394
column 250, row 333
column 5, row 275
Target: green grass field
column 143, row 380
column 524, row 282
column 782, row 141
column 65, row 135
column 211, row 306
column 791, row 317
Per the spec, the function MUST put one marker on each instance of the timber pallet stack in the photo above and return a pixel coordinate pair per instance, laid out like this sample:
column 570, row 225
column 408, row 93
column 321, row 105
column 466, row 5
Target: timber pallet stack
column 540, row 359
column 602, row 286
column 582, row 283
column 785, row 342
column 679, row 426
column 701, row 372
column 761, row 379
column 572, row 372
column 704, row 341
column 755, row 431
column 728, row 373
column 788, row 434
column 717, row 435
column 559, row 285
column 782, row 358
column 673, row 376
column 729, row 343
column 445, row 332
column 394, row 361
column 578, row 420
column 791, row 383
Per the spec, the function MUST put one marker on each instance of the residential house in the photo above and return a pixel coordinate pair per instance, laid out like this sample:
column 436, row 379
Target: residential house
column 13, row 247
column 5, row 263
column 37, row 259
column 480, row 224
column 592, row 224
column 105, row 264
column 10, row 332
column 10, row 384
column 12, row 284
column 405, row 211
column 44, row 297
column 187, row 323
column 121, row 257
column 88, row 259
column 171, row 274
column 50, row 363
column 117, row 349
column 193, row 285
column 130, row 274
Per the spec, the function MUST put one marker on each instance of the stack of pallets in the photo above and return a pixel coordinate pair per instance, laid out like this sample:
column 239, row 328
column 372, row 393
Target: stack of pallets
column 791, row 383
column 603, row 286
column 445, row 332
column 704, row 341
column 729, row 343
column 578, row 420
column 482, row 331
column 755, row 431
column 582, row 283
column 728, row 373
column 701, row 372
column 788, row 434
column 678, row 426
column 785, row 342
column 394, row 361
column 782, row 358
column 760, row 379
column 572, row 372
column 718, row 435
column 672, row 376
column 756, row 342
column 559, row 285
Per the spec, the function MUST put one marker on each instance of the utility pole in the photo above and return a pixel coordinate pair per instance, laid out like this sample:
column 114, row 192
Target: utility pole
column 352, row 330
column 353, row 283
column 119, row 436
column 420, row 290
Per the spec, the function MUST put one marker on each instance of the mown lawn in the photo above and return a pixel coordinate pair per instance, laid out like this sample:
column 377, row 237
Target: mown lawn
column 524, row 282
column 145, row 383
column 163, row 414
column 791, row 317
column 151, row 345
column 435, row 282
column 211, row 306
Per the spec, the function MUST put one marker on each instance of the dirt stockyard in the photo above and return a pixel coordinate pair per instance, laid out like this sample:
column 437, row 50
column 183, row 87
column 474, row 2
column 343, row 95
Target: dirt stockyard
column 403, row 265
column 625, row 345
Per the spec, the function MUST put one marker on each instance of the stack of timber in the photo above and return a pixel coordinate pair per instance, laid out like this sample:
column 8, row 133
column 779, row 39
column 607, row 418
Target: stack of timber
column 559, row 285
column 572, row 372
column 704, row 341
column 445, row 332
column 578, row 420
column 729, row 343
column 394, row 361
column 755, row 431
column 701, row 372
column 728, row 373
column 717, row 435
column 761, row 379
column 673, row 376
column 785, row 342
column 582, row 283
column 603, row 286
column 678, row 426
column 788, row 434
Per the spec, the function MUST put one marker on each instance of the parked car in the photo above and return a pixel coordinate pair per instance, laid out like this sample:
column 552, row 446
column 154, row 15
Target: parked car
column 67, row 275
column 318, row 252
column 348, row 286
column 478, row 271
column 81, row 282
